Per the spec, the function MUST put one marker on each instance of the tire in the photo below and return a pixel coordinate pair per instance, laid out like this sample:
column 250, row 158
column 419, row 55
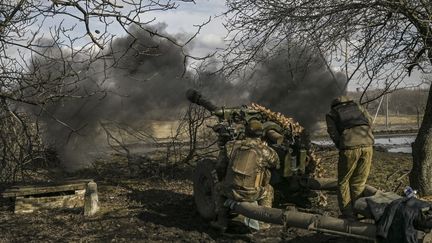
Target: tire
column 204, row 189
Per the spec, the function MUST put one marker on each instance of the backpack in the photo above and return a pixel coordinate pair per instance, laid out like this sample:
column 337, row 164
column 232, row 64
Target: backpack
column 348, row 115
column 244, row 171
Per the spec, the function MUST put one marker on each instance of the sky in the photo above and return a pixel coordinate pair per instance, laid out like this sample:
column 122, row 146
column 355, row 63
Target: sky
column 180, row 21
column 183, row 19
column 183, row 22
column 212, row 35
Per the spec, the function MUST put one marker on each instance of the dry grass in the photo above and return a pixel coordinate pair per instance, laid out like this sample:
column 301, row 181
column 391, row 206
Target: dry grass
column 394, row 119
column 156, row 204
column 395, row 123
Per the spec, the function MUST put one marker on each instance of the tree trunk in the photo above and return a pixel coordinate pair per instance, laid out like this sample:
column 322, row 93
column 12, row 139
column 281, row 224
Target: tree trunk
column 421, row 173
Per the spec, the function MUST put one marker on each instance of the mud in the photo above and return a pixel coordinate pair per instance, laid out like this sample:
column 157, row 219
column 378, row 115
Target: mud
column 156, row 205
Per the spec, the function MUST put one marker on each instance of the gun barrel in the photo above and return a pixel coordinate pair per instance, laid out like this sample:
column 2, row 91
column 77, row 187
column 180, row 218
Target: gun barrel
column 196, row 97
column 315, row 222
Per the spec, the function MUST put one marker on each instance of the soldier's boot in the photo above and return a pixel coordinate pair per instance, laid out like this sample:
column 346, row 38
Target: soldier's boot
column 221, row 222
column 348, row 214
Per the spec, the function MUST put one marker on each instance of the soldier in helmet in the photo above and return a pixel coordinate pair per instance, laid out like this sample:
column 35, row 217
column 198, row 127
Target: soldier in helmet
column 349, row 126
column 247, row 175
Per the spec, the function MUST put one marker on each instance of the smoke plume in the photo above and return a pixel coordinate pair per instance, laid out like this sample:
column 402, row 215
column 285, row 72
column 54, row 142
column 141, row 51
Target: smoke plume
column 144, row 84
column 298, row 83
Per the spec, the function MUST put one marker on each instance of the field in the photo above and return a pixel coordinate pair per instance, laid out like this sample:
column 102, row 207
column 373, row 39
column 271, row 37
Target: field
column 396, row 123
column 155, row 202
column 403, row 123
column 156, row 205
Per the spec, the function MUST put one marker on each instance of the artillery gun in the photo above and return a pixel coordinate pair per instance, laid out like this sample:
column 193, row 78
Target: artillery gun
column 297, row 172
column 287, row 137
column 298, row 164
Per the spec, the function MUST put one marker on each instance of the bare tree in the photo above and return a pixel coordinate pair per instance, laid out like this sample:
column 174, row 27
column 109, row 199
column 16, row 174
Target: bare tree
column 47, row 48
column 21, row 147
column 379, row 41
column 64, row 35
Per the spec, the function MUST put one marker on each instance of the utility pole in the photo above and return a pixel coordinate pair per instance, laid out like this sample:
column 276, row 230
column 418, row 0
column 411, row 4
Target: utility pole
column 379, row 106
column 386, row 118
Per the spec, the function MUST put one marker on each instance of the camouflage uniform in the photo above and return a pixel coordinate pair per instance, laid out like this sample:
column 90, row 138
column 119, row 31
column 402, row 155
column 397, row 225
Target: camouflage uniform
column 349, row 126
column 248, row 175
column 244, row 169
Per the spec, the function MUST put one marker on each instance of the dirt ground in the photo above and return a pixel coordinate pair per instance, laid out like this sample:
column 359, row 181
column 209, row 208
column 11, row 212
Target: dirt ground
column 156, row 205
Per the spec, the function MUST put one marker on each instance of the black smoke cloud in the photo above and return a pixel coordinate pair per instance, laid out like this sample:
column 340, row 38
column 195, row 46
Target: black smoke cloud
column 220, row 89
column 298, row 83
column 144, row 84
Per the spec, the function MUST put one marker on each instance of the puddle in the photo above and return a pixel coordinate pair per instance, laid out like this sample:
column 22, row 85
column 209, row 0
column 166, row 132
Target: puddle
column 395, row 140
column 393, row 143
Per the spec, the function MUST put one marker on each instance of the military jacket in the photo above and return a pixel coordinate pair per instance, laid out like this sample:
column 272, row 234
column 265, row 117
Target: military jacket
column 248, row 168
column 353, row 136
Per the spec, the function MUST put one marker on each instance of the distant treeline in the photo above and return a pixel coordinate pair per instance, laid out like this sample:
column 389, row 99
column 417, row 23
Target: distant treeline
column 400, row 102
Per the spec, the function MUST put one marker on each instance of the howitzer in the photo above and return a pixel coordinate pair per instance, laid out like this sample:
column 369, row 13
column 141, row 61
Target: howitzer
column 205, row 193
column 232, row 115
column 293, row 177
column 291, row 147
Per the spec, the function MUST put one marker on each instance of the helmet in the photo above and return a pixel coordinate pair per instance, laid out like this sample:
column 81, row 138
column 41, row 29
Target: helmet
column 254, row 128
column 341, row 99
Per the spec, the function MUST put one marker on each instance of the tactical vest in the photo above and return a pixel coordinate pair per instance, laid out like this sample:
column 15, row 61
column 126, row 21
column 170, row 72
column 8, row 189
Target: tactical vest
column 349, row 115
column 243, row 171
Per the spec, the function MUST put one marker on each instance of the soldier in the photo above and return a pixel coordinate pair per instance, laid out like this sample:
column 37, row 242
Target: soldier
column 349, row 126
column 247, row 175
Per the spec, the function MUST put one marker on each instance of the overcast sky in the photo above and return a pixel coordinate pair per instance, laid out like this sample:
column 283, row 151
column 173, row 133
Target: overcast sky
column 183, row 21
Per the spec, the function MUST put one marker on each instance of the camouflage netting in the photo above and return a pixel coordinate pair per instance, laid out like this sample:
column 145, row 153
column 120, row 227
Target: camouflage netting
column 314, row 163
column 283, row 121
column 297, row 130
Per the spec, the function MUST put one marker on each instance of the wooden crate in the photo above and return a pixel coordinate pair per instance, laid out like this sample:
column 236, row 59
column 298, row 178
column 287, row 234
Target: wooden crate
column 66, row 194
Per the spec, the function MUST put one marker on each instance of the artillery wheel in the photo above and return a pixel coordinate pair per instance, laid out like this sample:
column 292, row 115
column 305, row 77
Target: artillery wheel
column 427, row 238
column 204, row 189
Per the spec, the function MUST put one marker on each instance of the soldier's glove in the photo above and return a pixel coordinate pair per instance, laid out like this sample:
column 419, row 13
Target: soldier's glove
column 229, row 203
column 220, row 128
